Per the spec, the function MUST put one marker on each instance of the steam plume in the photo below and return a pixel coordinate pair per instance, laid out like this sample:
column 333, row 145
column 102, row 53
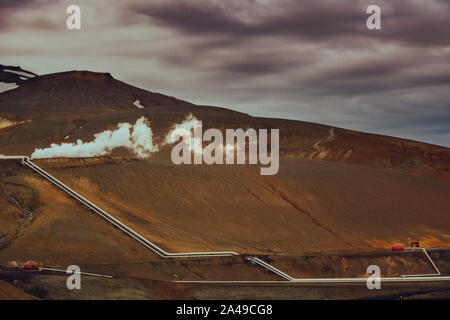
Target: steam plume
column 138, row 138
column 186, row 128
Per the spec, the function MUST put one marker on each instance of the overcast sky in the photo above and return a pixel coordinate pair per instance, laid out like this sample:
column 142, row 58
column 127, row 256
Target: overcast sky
column 311, row 60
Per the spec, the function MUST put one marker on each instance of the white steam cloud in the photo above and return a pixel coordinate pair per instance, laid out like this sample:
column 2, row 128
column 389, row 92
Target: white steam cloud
column 138, row 138
column 185, row 128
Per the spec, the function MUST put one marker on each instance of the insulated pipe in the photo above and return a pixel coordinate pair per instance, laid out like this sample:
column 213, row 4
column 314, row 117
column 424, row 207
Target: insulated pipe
column 141, row 239
column 27, row 162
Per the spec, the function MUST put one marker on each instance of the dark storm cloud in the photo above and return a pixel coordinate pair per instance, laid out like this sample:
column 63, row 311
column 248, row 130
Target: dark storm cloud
column 192, row 17
column 10, row 7
column 256, row 67
column 364, row 84
column 369, row 69
column 408, row 21
column 6, row 6
column 249, row 64
column 307, row 19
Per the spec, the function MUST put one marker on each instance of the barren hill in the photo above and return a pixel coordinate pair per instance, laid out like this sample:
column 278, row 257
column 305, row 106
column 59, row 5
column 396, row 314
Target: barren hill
column 78, row 91
column 76, row 104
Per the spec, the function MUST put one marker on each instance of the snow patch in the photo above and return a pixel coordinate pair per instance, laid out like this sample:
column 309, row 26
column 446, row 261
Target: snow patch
column 6, row 123
column 7, row 86
column 20, row 73
column 138, row 104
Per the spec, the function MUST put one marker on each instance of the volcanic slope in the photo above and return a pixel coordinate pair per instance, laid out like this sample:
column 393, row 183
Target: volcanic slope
column 76, row 104
column 62, row 232
column 310, row 206
column 337, row 189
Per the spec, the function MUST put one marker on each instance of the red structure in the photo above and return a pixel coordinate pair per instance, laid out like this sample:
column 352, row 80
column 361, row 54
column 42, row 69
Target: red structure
column 415, row 244
column 31, row 265
column 398, row 247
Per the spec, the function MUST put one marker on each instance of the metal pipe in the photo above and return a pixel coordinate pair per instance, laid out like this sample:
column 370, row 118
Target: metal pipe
column 322, row 280
column 141, row 239
column 271, row 268
column 82, row 273
column 150, row 245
